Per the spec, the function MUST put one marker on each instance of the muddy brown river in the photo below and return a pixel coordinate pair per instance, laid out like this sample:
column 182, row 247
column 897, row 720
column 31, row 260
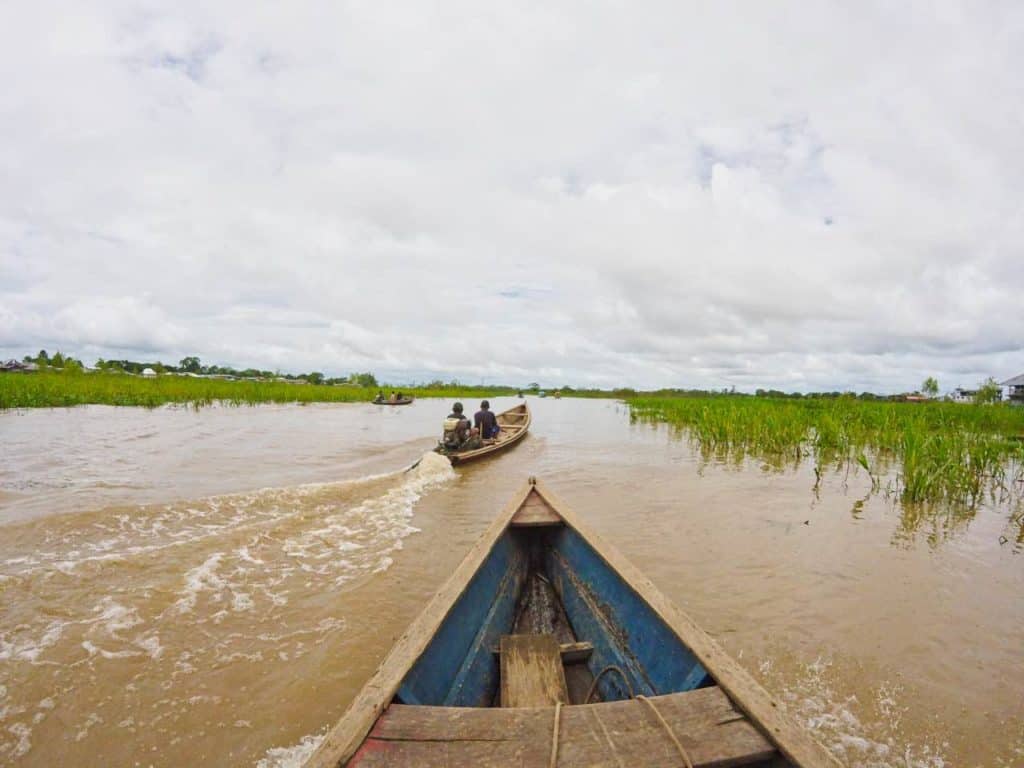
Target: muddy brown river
column 212, row 587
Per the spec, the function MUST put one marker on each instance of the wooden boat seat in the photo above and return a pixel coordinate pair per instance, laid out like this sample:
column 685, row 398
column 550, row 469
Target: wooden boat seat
column 531, row 671
column 608, row 735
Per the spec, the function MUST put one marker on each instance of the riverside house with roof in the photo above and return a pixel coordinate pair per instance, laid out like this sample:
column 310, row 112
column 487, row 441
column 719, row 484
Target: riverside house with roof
column 1015, row 389
column 961, row 395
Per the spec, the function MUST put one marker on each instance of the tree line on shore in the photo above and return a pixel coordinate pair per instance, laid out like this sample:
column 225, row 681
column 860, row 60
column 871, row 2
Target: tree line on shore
column 987, row 392
column 193, row 366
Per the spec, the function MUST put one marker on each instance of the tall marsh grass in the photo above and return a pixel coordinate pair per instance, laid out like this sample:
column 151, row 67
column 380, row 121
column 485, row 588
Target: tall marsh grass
column 48, row 389
column 941, row 451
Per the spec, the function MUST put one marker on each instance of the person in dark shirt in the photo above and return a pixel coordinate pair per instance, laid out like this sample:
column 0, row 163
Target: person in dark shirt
column 486, row 422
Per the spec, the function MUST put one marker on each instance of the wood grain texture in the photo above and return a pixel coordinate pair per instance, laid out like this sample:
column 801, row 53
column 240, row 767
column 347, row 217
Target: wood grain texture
column 622, row 733
column 531, row 671
column 535, row 511
column 573, row 653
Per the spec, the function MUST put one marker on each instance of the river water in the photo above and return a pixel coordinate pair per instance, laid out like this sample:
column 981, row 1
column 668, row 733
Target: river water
column 188, row 587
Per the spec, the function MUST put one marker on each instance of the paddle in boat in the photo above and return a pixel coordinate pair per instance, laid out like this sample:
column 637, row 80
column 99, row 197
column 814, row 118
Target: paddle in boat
column 546, row 647
column 514, row 424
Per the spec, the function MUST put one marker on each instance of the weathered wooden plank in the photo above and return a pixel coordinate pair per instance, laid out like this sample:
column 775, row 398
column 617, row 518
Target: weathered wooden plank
column 344, row 738
column 535, row 518
column 572, row 653
column 693, row 710
column 454, row 754
column 575, row 652
column 531, row 671
column 763, row 709
column 619, row 733
column 535, row 511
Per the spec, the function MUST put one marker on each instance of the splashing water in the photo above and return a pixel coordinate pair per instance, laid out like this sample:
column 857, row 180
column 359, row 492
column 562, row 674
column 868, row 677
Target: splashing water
column 837, row 720
column 291, row 757
column 140, row 609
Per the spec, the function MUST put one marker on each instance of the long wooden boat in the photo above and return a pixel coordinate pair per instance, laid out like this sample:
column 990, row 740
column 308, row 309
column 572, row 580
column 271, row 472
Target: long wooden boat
column 541, row 618
column 398, row 401
column 514, row 424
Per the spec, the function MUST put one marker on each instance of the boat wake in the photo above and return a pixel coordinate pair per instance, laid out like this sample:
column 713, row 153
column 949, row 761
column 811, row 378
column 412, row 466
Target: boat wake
column 291, row 757
column 128, row 622
column 866, row 733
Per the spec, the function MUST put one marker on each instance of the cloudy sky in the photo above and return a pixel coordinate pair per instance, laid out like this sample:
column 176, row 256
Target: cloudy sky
column 800, row 195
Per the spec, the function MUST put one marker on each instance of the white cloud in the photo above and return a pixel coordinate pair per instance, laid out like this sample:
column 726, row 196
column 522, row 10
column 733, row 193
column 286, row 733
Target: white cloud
column 786, row 195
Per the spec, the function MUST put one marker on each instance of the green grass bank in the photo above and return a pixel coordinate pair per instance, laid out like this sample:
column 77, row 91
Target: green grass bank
column 938, row 451
column 51, row 389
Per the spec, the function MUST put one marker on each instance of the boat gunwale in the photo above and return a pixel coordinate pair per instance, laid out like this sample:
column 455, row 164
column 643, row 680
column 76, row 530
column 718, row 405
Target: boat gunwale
column 348, row 734
column 794, row 742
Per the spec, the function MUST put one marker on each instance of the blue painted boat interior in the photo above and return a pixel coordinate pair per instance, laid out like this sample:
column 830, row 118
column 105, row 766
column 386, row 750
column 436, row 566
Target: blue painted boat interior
column 549, row 579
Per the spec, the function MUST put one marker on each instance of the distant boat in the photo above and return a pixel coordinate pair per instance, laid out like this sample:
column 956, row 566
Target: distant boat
column 514, row 424
column 539, row 619
column 397, row 401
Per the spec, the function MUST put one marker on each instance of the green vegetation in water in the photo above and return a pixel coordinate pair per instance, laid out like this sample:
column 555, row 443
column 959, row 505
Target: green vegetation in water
column 944, row 451
column 49, row 389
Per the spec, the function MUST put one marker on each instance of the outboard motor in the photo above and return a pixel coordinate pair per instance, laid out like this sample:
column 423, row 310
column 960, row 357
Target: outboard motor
column 451, row 433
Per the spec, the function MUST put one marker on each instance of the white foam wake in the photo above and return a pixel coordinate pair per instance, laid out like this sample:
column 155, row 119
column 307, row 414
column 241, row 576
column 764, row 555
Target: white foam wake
column 168, row 593
column 291, row 757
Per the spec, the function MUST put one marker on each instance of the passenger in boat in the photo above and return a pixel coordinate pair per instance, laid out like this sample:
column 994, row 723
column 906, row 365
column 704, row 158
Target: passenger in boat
column 380, row 396
column 456, row 429
column 473, row 441
column 486, row 421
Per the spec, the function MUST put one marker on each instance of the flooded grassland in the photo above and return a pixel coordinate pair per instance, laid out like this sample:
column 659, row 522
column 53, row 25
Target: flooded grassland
column 214, row 586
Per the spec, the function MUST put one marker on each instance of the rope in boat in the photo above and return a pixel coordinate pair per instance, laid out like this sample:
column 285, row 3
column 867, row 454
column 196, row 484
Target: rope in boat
column 553, row 762
column 609, row 668
column 668, row 730
column 554, row 736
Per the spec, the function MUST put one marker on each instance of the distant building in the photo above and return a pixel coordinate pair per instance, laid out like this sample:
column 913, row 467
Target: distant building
column 148, row 372
column 1015, row 389
column 961, row 395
